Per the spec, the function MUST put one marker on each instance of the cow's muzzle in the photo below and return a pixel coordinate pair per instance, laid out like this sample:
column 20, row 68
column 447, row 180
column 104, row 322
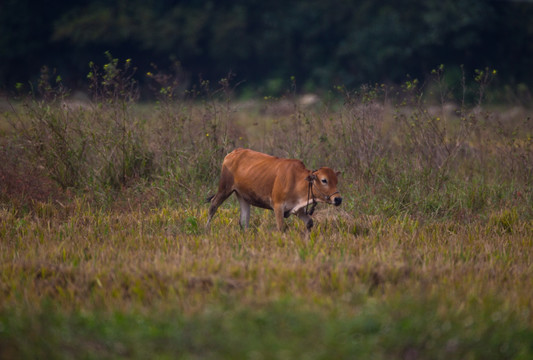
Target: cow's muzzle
column 334, row 199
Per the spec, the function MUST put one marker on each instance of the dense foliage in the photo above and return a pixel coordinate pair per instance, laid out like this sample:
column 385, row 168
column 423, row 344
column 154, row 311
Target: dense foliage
column 267, row 42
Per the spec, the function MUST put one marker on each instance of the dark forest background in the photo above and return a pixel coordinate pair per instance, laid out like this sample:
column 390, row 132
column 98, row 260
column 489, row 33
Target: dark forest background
column 264, row 43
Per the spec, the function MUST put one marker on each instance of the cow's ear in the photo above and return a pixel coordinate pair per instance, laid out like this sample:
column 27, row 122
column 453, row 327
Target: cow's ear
column 311, row 177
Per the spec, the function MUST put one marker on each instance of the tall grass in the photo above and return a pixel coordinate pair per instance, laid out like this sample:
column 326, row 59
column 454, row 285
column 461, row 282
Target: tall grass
column 103, row 251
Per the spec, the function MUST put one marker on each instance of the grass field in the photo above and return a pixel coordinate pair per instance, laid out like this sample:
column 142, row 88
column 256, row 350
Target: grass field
column 104, row 254
column 83, row 282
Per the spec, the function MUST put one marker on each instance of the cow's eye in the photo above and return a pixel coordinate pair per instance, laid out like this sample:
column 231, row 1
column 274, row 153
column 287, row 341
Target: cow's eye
column 324, row 181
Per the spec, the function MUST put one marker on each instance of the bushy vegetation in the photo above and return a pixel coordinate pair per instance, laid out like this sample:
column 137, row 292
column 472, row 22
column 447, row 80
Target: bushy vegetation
column 103, row 251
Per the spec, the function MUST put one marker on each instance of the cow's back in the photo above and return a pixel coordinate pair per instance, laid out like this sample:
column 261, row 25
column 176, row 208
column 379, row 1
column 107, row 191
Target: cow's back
column 255, row 174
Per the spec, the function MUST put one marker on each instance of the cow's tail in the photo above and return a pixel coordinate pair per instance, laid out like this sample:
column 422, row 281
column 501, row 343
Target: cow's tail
column 209, row 198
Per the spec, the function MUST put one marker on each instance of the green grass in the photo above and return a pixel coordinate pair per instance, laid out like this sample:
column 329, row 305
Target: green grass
column 402, row 328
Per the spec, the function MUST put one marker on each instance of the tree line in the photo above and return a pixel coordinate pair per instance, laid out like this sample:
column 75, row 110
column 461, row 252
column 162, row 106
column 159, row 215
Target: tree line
column 320, row 43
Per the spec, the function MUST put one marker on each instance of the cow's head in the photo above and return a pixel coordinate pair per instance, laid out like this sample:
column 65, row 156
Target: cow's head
column 324, row 185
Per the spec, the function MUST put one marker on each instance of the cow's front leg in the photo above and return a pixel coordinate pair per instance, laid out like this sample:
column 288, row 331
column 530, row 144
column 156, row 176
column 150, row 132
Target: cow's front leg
column 278, row 211
column 308, row 221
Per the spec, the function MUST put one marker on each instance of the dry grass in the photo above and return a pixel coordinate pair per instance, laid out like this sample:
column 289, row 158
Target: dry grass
column 86, row 258
column 116, row 283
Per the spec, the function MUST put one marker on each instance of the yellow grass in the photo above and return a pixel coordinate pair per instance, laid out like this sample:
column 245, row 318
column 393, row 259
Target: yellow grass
column 86, row 258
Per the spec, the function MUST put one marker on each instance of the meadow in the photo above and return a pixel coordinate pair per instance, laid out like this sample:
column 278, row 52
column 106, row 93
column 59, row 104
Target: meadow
column 104, row 254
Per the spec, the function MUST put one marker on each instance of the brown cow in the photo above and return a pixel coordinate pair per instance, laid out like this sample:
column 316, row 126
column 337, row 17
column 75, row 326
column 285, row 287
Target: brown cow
column 268, row 182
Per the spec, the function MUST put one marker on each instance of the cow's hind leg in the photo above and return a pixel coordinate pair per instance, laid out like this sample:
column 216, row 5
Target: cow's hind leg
column 225, row 189
column 245, row 211
column 216, row 201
